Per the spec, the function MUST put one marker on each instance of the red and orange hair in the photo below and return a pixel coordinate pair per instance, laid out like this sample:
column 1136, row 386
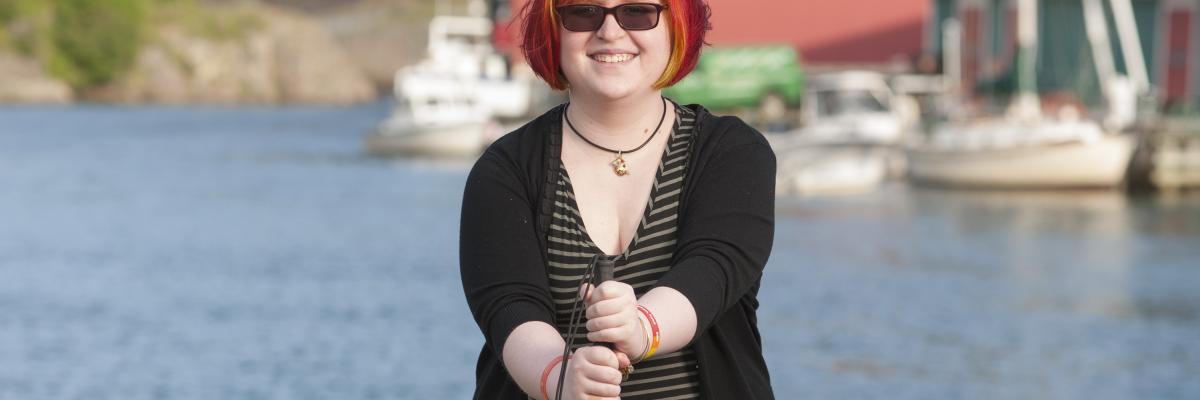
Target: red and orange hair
column 687, row 20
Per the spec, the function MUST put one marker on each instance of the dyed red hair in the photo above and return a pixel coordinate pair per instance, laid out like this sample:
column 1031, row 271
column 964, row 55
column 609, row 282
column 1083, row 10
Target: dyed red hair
column 687, row 21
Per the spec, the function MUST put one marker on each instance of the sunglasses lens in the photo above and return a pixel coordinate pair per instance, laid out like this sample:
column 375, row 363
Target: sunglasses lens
column 637, row 16
column 581, row 18
column 587, row 18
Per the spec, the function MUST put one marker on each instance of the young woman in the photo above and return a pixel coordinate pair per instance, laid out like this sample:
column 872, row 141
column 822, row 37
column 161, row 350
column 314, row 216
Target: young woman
column 680, row 200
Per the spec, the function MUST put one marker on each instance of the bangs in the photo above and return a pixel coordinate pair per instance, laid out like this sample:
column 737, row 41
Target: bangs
column 687, row 22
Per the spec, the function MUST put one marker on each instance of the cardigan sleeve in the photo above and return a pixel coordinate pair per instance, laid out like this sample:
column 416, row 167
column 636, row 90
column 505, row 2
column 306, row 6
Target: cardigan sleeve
column 500, row 258
column 726, row 229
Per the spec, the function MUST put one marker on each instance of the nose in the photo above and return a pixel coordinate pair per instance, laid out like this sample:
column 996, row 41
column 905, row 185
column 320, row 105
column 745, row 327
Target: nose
column 610, row 30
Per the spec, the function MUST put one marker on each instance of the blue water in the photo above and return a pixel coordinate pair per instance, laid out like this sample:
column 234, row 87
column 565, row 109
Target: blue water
column 257, row 253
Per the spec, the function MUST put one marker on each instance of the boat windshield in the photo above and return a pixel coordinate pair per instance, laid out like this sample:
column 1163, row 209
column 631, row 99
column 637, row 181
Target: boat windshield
column 848, row 102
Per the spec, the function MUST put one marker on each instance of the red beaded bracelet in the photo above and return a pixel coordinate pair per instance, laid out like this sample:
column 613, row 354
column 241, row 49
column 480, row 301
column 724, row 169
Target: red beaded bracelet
column 546, row 375
column 653, row 329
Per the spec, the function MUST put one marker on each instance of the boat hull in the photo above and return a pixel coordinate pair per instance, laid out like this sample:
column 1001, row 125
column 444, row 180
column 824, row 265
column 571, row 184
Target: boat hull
column 832, row 171
column 814, row 166
column 1100, row 162
column 1176, row 155
column 453, row 141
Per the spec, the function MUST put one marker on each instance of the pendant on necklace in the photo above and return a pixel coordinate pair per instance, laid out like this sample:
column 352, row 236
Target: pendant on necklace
column 619, row 166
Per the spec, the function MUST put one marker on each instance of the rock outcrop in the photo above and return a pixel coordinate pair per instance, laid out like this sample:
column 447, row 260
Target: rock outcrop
column 24, row 81
column 380, row 35
column 287, row 58
column 290, row 59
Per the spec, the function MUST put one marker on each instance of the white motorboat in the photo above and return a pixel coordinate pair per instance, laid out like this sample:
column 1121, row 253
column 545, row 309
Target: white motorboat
column 460, row 132
column 814, row 168
column 847, row 143
column 449, row 103
column 851, row 107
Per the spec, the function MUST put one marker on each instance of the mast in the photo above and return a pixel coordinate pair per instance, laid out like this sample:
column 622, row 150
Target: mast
column 1131, row 46
column 952, row 62
column 1026, row 106
column 1097, row 34
column 1120, row 91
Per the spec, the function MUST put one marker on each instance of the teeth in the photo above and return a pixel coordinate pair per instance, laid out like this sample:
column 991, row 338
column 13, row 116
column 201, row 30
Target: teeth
column 612, row 58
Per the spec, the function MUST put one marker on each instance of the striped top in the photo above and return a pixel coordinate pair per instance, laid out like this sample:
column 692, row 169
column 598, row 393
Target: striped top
column 665, row 376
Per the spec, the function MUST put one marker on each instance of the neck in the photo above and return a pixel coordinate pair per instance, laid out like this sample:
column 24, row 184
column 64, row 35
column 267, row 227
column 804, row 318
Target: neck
column 616, row 123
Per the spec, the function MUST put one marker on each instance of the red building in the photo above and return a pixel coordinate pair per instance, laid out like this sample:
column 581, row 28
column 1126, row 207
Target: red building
column 827, row 33
column 1177, row 64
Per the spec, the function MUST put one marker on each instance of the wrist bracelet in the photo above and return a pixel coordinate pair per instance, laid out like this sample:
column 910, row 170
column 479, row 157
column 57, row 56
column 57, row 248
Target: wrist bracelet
column 546, row 375
column 645, row 345
column 653, row 329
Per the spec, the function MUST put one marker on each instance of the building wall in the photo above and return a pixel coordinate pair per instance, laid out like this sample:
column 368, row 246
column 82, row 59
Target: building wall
column 1065, row 65
column 825, row 32
column 1178, row 69
column 1192, row 95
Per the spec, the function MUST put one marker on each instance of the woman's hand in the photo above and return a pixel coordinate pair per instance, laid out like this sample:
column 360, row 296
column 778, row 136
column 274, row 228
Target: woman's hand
column 613, row 318
column 592, row 374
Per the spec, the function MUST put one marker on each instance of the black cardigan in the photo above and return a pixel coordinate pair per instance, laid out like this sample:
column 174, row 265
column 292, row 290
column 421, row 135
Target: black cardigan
column 726, row 226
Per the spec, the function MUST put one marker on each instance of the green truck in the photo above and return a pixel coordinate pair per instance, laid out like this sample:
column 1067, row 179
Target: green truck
column 767, row 78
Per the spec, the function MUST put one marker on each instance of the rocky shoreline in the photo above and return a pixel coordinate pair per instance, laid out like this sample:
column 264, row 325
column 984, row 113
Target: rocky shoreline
column 24, row 81
column 288, row 58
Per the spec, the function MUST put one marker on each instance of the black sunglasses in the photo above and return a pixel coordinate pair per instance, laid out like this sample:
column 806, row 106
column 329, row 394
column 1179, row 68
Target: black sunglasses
column 631, row 17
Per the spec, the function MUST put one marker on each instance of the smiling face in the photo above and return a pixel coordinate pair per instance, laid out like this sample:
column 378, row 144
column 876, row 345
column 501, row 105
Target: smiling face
column 613, row 63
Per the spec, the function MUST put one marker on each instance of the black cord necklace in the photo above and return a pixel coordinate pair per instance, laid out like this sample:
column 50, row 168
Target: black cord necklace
column 618, row 164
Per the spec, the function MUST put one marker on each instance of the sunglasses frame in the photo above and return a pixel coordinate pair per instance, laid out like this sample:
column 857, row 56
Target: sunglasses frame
column 606, row 11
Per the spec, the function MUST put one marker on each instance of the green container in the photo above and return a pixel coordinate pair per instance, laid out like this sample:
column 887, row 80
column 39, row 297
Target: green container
column 734, row 77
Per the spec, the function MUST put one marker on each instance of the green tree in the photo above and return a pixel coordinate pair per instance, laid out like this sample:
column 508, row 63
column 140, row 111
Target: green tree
column 96, row 40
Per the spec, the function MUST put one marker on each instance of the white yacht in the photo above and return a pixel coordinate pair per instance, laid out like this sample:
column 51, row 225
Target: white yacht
column 1026, row 148
column 449, row 103
column 851, row 125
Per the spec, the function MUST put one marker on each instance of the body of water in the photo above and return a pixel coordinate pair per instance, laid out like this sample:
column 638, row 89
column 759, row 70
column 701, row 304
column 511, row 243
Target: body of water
column 257, row 253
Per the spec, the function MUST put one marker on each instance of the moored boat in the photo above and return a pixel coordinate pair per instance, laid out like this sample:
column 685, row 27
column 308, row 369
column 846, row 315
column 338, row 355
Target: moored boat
column 450, row 104
column 1007, row 154
column 1027, row 147
column 1176, row 160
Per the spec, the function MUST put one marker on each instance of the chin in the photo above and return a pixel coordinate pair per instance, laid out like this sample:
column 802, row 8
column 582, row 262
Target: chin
column 615, row 90
column 613, row 94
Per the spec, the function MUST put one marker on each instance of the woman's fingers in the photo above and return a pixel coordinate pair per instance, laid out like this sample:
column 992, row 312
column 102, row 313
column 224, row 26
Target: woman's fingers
column 608, row 290
column 617, row 320
column 608, row 307
column 616, row 289
column 598, row 355
column 587, row 290
column 612, row 290
column 603, row 375
column 594, row 389
column 614, row 321
column 601, row 381
column 606, row 336
column 623, row 360
column 594, row 373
